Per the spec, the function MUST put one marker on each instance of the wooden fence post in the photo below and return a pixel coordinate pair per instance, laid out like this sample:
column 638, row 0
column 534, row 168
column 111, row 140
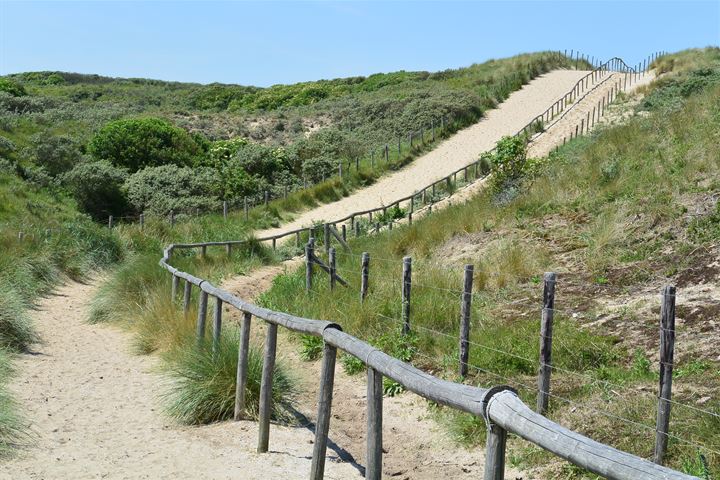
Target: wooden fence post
column 357, row 229
column 546, row 331
column 110, row 221
column 667, row 353
column 172, row 218
column 175, row 282
column 465, row 320
column 364, row 275
column 326, row 237
column 142, row 221
column 242, row 368
column 407, row 279
column 267, row 198
column 309, row 253
column 225, row 210
column 322, row 427
column 373, row 469
column 333, row 267
column 186, row 297
column 266, row 389
column 202, row 314
column 343, row 231
column 245, row 209
column 495, row 452
column 217, row 325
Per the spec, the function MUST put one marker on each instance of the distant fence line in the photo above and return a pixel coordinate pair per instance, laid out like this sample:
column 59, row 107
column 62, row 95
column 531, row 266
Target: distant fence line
column 500, row 406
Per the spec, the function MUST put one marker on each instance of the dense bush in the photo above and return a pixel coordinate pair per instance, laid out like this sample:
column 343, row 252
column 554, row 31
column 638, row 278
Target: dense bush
column 97, row 188
column 169, row 187
column 12, row 87
column 56, row 153
column 319, row 168
column 509, row 161
column 138, row 143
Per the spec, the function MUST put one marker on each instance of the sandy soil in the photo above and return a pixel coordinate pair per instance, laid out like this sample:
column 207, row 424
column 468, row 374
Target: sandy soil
column 563, row 126
column 95, row 413
column 457, row 151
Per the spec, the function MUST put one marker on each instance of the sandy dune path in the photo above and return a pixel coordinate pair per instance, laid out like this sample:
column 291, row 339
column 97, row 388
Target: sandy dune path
column 95, row 413
column 453, row 153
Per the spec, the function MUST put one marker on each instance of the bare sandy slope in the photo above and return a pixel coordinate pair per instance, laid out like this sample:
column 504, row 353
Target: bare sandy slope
column 457, row 151
column 95, row 413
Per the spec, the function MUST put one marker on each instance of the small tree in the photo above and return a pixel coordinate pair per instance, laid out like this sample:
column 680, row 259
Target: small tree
column 509, row 162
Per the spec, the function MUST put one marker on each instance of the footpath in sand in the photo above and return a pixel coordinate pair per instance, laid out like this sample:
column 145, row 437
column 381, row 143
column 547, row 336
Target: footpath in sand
column 459, row 150
column 93, row 405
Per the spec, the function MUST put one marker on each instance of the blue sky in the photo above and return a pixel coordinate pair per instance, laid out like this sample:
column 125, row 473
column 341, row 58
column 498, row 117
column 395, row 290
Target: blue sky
column 283, row 42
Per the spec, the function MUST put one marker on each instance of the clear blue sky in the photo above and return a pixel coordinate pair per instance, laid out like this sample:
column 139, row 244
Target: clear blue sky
column 273, row 42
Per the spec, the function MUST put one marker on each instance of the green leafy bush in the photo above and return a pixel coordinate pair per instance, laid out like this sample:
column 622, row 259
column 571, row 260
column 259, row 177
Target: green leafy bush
column 143, row 142
column 97, row 188
column 55, row 153
column 12, row 87
column 169, row 187
column 509, row 162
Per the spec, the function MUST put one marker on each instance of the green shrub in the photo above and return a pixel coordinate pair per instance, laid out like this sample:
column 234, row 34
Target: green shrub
column 509, row 162
column 143, row 142
column 12, row 87
column 55, row 153
column 203, row 383
column 97, row 188
column 312, row 347
column 169, row 187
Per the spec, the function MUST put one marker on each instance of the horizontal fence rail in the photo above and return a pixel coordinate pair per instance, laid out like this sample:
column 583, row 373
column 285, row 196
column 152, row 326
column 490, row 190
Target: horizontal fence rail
column 500, row 406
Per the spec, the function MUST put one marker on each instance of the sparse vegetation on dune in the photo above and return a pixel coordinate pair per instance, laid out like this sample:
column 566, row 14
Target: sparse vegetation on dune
column 618, row 214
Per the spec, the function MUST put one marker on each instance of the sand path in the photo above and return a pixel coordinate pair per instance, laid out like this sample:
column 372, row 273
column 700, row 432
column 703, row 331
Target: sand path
column 95, row 413
column 453, row 153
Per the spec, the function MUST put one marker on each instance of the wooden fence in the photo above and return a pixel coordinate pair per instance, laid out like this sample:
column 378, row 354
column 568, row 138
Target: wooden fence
column 500, row 406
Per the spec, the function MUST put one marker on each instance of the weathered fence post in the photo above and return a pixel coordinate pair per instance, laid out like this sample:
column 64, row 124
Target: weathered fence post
column 495, row 452
column 546, row 331
column 266, row 389
column 267, row 198
column 343, row 231
column 407, row 279
column 225, row 210
column 172, row 218
column 110, row 221
column 465, row 320
column 202, row 314
column 667, row 353
column 333, row 267
column 242, row 368
column 364, row 275
column 217, row 325
column 322, row 427
column 142, row 221
column 357, row 229
column 186, row 297
column 175, row 282
column 373, row 469
column 326, row 237
column 309, row 252
column 245, row 209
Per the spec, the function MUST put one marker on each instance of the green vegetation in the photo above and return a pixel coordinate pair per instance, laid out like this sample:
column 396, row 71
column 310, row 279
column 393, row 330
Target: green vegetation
column 55, row 127
column 610, row 212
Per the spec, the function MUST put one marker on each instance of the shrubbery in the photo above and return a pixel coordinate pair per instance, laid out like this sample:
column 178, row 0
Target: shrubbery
column 56, row 153
column 97, row 188
column 169, row 187
column 12, row 87
column 144, row 142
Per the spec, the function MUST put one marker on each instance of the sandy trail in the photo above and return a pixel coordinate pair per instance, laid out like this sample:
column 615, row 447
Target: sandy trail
column 95, row 413
column 455, row 152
